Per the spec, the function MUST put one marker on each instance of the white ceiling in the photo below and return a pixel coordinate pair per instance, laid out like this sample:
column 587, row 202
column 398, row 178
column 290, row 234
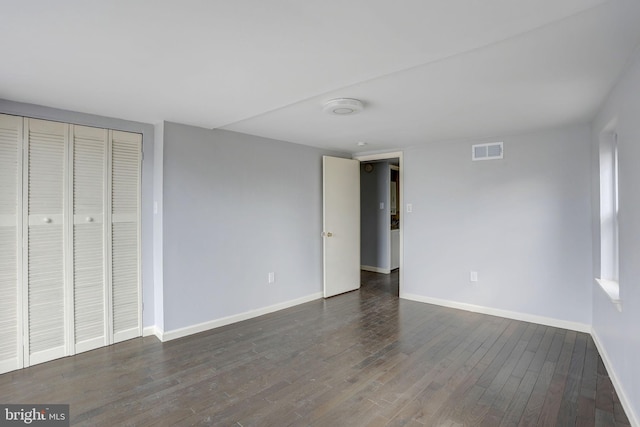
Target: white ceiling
column 426, row 70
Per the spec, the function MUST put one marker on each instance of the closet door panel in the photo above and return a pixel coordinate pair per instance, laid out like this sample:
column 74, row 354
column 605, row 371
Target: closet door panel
column 10, row 234
column 125, row 235
column 45, row 195
column 89, row 282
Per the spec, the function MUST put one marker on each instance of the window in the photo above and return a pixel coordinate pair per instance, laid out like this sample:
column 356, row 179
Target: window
column 609, row 207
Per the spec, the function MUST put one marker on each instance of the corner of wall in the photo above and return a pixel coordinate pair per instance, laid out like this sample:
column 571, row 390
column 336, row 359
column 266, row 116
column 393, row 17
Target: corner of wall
column 614, row 332
column 617, row 384
column 158, row 248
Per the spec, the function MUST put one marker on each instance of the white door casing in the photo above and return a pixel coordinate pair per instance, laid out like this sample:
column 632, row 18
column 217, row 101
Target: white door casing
column 400, row 156
column 341, row 225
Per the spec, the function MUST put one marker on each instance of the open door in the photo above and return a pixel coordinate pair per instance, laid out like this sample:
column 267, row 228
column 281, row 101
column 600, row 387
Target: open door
column 341, row 225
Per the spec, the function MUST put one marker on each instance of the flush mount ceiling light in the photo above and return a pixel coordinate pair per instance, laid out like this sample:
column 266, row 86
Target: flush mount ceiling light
column 343, row 106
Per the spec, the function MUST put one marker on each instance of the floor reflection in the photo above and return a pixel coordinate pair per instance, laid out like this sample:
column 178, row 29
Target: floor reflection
column 387, row 283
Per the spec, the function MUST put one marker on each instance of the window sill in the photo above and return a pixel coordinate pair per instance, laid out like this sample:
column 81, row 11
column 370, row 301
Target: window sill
column 612, row 289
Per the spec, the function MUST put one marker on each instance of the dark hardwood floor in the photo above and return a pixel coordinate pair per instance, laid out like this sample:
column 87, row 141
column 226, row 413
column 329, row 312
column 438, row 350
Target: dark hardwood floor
column 364, row 358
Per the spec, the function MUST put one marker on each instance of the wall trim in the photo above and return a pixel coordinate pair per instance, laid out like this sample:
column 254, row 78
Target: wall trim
column 634, row 418
column 147, row 331
column 375, row 269
column 216, row 323
column 158, row 229
column 532, row 318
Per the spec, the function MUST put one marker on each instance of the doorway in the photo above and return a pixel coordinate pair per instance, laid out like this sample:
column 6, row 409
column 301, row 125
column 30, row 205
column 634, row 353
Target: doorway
column 381, row 188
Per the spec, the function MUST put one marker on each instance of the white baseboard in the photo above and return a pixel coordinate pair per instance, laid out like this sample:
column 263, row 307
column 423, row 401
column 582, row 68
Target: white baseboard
column 634, row 418
column 547, row 321
column 375, row 269
column 147, row 331
column 216, row 323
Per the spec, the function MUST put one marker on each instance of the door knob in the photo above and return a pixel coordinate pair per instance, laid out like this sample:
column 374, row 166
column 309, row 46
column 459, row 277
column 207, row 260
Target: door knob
column 89, row 219
column 327, row 234
column 47, row 220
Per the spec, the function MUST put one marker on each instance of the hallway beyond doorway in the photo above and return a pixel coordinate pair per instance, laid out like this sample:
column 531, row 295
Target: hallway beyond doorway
column 388, row 283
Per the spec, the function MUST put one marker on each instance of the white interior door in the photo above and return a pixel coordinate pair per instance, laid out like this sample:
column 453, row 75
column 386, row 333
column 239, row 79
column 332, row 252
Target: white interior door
column 341, row 225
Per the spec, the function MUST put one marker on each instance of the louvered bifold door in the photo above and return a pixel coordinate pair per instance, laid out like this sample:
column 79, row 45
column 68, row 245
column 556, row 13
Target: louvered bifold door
column 125, row 235
column 10, row 242
column 46, row 181
column 90, row 297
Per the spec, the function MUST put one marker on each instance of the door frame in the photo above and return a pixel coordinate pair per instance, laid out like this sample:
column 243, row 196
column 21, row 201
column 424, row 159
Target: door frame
column 386, row 156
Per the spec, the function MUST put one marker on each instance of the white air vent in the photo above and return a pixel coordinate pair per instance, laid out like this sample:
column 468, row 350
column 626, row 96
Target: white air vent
column 490, row 151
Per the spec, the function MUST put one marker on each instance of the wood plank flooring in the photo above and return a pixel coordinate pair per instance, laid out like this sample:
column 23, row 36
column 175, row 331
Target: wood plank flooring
column 364, row 358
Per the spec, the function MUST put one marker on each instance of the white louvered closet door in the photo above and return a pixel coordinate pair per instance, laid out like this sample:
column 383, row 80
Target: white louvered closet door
column 125, row 235
column 69, row 239
column 44, row 256
column 90, row 298
column 10, row 237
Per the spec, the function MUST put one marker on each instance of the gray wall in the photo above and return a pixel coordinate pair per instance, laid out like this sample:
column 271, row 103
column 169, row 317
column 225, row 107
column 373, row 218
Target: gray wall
column 618, row 333
column 375, row 223
column 235, row 208
column 523, row 223
column 147, row 131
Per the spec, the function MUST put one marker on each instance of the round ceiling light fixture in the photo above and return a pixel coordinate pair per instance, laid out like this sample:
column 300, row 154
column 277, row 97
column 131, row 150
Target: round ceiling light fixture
column 343, row 106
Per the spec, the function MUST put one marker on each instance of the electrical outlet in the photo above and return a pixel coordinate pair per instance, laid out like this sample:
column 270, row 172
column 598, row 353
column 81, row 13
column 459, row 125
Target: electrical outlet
column 473, row 276
column 272, row 277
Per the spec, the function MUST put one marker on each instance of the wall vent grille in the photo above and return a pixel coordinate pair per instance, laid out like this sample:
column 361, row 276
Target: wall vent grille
column 490, row 151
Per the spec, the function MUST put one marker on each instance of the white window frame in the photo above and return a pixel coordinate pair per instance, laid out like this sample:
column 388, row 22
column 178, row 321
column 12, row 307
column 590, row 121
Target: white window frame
column 609, row 279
